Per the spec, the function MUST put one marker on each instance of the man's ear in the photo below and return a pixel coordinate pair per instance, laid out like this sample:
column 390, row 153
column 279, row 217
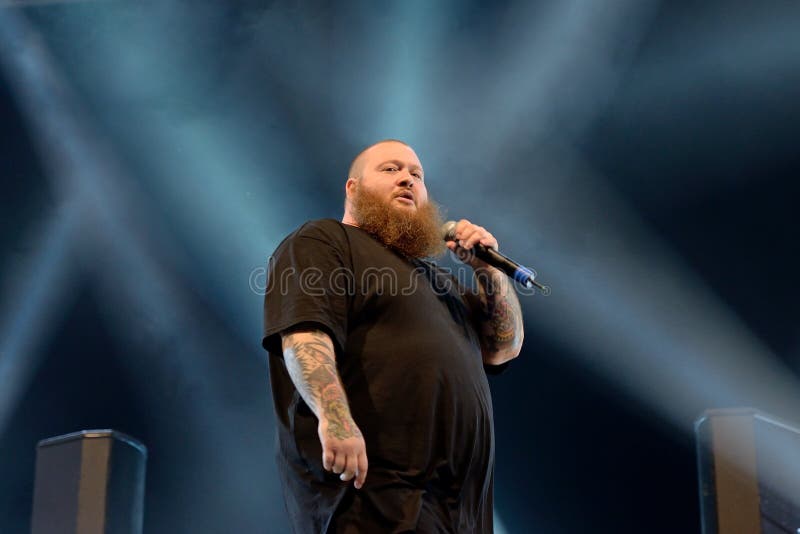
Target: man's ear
column 350, row 187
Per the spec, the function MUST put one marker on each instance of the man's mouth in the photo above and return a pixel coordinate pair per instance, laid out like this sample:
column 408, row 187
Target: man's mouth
column 406, row 197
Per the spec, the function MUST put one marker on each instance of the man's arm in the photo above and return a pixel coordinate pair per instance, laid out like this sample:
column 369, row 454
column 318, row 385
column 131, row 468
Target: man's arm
column 311, row 361
column 499, row 315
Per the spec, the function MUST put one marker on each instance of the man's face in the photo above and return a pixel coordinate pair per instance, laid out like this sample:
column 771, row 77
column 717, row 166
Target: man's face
column 392, row 172
column 387, row 198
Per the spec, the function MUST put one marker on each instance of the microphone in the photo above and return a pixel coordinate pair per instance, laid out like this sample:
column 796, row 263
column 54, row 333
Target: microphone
column 521, row 274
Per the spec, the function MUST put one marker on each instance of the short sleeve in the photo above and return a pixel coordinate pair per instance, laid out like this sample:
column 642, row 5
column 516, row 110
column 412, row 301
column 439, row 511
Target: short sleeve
column 307, row 282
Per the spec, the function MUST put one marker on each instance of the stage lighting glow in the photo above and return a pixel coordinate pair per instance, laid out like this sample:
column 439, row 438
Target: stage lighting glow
column 144, row 306
column 34, row 298
column 623, row 303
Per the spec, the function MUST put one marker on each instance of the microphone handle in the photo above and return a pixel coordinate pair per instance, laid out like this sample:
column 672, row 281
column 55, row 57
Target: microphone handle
column 521, row 274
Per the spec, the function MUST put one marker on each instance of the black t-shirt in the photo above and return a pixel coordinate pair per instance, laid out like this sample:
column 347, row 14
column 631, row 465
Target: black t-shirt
column 410, row 362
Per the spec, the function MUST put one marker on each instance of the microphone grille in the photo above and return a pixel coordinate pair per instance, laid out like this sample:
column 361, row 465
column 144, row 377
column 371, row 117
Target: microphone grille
column 449, row 231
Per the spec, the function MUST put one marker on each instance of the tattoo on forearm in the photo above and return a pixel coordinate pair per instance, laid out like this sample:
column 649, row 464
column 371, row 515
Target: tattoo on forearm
column 500, row 313
column 311, row 362
column 501, row 321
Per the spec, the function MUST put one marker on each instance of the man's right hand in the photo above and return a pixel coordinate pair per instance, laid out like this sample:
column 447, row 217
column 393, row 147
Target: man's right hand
column 343, row 449
column 311, row 363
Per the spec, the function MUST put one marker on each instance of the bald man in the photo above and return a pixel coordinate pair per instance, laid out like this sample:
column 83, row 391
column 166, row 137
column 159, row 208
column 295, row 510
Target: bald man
column 378, row 361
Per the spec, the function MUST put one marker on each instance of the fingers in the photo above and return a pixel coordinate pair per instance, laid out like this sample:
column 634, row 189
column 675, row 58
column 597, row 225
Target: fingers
column 349, row 468
column 361, row 472
column 356, row 467
column 469, row 235
column 327, row 459
column 333, row 462
column 348, row 464
column 339, row 462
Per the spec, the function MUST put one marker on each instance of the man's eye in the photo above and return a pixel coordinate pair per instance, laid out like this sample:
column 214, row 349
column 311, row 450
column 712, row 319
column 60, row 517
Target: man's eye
column 393, row 169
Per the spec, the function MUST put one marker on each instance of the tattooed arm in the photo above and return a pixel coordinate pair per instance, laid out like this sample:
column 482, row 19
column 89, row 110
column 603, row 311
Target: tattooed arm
column 311, row 362
column 497, row 306
column 500, row 316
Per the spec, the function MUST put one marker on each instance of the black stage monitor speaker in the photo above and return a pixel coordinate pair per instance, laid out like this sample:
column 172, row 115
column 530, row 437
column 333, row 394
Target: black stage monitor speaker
column 749, row 469
column 89, row 482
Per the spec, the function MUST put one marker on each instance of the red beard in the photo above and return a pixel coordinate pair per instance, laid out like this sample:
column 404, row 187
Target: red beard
column 416, row 233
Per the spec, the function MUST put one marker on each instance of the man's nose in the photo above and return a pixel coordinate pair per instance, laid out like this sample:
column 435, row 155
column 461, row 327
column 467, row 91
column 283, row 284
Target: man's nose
column 405, row 180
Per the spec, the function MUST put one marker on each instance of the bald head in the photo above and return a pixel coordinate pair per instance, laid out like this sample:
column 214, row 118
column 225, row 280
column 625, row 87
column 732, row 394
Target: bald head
column 386, row 196
column 389, row 169
column 357, row 166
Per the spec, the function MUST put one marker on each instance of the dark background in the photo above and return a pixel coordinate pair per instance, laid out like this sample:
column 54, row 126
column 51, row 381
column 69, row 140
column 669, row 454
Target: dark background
column 640, row 155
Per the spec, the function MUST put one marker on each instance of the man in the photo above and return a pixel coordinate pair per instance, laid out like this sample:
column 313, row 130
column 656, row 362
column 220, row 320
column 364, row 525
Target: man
column 378, row 361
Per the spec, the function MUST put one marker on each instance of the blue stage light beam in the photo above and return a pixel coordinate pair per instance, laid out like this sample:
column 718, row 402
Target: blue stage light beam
column 633, row 307
column 629, row 309
column 229, row 176
column 81, row 166
column 408, row 47
column 35, row 295
column 753, row 62
column 546, row 69
column 568, row 210
column 84, row 167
